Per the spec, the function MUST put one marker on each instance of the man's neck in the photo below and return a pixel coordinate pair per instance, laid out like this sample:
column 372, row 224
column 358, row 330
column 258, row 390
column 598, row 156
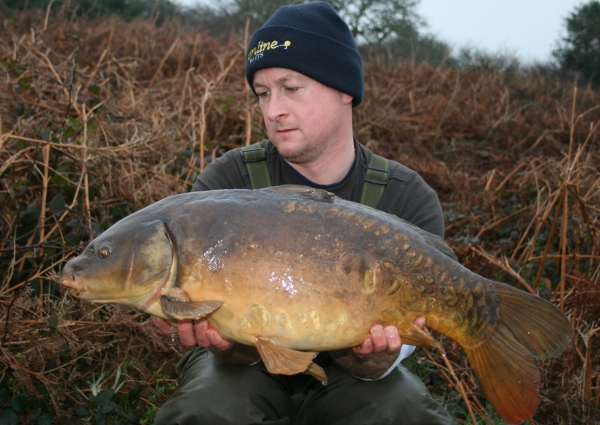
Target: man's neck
column 331, row 167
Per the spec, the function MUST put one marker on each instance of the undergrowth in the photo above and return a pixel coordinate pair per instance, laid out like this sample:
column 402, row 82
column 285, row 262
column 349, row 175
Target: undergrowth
column 101, row 118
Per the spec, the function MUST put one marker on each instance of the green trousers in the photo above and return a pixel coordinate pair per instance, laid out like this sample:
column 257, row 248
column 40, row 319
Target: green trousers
column 214, row 392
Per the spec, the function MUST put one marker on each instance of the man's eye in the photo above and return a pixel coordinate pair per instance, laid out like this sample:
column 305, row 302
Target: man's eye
column 263, row 94
column 292, row 89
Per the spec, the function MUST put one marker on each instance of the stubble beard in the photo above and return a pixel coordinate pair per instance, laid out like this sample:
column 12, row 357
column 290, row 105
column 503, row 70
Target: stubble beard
column 299, row 152
column 304, row 151
column 301, row 156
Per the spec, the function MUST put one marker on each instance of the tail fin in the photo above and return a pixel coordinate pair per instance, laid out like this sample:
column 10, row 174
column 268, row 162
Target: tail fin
column 528, row 328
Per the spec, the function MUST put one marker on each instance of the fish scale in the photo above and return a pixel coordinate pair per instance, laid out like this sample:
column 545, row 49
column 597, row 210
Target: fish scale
column 294, row 271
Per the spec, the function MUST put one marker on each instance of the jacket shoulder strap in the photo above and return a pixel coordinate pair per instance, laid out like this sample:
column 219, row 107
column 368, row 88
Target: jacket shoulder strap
column 255, row 158
column 376, row 178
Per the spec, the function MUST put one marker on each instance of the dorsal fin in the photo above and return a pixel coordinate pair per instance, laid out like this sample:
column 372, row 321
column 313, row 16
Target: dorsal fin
column 303, row 191
column 325, row 196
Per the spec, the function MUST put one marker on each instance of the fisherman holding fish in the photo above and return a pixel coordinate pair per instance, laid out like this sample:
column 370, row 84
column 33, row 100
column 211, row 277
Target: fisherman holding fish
column 293, row 279
column 305, row 69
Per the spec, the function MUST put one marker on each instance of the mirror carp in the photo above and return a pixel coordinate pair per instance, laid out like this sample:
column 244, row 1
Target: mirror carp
column 295, row 271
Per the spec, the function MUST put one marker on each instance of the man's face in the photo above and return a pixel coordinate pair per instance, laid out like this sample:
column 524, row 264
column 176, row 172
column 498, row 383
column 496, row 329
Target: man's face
column 303, row 117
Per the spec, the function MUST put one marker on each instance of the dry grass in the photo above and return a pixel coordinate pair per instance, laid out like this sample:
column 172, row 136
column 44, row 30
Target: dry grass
column 100, row 118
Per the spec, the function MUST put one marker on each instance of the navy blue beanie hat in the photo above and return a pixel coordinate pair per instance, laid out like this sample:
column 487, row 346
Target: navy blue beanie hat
column 313, row 40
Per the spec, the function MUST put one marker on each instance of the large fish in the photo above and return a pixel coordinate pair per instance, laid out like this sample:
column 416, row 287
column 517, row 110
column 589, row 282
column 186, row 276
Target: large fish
column 295, row 271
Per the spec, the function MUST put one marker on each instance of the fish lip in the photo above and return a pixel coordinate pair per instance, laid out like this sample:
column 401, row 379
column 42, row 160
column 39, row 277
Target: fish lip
column 71, row 282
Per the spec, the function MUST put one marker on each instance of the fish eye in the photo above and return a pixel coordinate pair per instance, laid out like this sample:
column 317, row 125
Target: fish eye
column 89, row 250
column 105, row 249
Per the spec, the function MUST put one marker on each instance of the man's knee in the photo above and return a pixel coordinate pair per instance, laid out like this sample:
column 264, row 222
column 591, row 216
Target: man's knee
column 215, row 392
column 399, row 398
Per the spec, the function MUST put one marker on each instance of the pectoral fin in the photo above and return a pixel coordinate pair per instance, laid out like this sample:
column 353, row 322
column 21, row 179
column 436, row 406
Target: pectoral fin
column 286, row 361
column 413, row 335
column 178, row 305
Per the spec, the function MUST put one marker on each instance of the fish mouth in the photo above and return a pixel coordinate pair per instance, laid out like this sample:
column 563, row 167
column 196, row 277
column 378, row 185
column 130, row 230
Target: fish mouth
column 69, row 281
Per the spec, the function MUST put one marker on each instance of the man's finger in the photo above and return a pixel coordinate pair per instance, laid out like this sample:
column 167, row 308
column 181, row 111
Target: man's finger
column 200, row 328
column 420, row 322
column 393, row 339
column 164, row 326
column 217, row 340
column 379, row 339
column 185, row 328
column 365, row 348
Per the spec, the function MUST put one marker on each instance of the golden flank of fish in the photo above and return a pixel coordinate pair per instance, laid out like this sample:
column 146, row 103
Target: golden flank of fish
column 295, row 271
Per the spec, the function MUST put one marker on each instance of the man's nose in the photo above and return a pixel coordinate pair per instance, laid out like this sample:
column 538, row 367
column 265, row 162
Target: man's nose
column 277, row 107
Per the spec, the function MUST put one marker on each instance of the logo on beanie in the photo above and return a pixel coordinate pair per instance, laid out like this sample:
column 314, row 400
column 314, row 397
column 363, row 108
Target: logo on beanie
column 257, row 52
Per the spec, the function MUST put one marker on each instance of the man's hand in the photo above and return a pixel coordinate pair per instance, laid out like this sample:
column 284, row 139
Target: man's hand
column 384, row 340
column 194, row 332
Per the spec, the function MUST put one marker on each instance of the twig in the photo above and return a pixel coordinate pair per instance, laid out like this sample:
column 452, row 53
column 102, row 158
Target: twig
column 47, row 15
column 162, row 62
column 506, row 267
column 459, row 385
column 538, row 274
column 248, row 116
column 102, row 56
column 502, row 220
column 42, row 219
column 454, row 92
column 565, row 202
column 455, row 381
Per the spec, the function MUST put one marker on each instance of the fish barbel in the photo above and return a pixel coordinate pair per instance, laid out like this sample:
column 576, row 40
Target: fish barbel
column 295, row 271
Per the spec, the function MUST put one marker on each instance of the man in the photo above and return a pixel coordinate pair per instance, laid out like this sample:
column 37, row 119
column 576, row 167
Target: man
column 306, row 71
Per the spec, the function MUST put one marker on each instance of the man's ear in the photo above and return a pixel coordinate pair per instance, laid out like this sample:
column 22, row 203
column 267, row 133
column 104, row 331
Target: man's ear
column 347, row 99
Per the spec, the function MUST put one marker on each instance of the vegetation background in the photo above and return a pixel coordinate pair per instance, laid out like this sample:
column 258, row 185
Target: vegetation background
column 109, row 105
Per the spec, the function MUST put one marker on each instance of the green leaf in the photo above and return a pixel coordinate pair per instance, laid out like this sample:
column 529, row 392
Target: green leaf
column 18, row 405
column 134, row 393
column 58, row 179
column 111, row 102
column 107, row 407
column 94, row 88
column 82, row 411
column 105, row 396
column 33, row 208
column 72, row 239
column 73, row 122
column 45, row 418
column 96, row 228
column 24, row 83
column 8, row 417
column 58, row 204
column 69, row 132
column 20, row 183
column 53, row 321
